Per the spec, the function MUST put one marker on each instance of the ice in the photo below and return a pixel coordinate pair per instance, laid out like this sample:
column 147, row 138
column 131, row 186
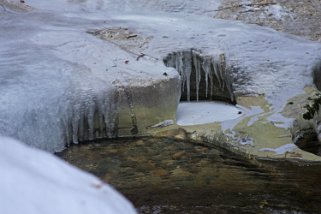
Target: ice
column 57, row 80
column 60, row 84
column 206, row 68
column 163, row 124
column 281, row 150
column 191, row 63
column 197, row 67
column 35, row 182
column 196, row 113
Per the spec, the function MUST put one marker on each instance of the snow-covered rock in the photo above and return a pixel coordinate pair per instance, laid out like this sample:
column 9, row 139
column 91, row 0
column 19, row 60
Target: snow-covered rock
column 35, row 182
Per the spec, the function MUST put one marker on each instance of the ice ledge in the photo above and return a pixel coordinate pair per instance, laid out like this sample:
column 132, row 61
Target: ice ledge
column 60, row 84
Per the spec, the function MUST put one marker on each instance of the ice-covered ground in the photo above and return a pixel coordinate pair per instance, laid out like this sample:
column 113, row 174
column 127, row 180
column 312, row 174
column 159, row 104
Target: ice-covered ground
column 35, row 182
column 54, row 74
column 194, row 113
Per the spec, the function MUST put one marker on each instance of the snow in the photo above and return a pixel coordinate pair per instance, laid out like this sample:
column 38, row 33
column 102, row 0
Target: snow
column 35, row 182
column 196, row 113
column 168, row 6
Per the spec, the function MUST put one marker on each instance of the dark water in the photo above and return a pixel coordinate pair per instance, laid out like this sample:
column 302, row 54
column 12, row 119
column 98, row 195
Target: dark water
column 168, row 176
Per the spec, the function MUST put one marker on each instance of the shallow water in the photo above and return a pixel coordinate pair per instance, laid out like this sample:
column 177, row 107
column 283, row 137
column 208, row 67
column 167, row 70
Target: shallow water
column 168, row 176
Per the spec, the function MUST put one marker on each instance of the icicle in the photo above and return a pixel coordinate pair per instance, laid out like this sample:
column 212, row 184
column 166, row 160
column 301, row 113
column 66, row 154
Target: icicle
column 206, row 68
column 217, row 72
column 227, row 77
column 216, row 76
column 68, row 130
column 181, row 68
column 75, row 124
column 110, row 127
column 115, row 116
column 101, row 117
column 91, row 113
column 187, row 59
column 197, row 69
column 81, row 130
column 222, row 70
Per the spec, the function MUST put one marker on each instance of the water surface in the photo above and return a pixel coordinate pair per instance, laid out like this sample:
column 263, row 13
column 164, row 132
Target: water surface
column 168, row 176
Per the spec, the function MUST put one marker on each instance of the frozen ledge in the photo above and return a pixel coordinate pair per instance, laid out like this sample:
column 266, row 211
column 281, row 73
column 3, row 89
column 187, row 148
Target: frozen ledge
column 60, row 84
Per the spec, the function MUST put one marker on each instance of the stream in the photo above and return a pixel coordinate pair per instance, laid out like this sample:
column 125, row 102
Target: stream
column 160, row 175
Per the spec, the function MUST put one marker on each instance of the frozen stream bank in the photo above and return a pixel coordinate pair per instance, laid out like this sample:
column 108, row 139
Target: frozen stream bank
column 75, row 71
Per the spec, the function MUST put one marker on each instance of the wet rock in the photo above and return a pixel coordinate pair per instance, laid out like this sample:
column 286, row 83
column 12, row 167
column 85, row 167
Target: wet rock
column 179, row 134
column 179, row 155
column 159, row 172
column 179, row 172
column 201, row 149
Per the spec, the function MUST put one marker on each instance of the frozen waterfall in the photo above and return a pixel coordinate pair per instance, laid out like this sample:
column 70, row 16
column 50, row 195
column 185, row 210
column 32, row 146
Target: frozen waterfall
column 202, row 76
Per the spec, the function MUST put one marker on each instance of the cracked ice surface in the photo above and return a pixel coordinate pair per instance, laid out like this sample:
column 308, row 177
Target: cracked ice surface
column 53, row 73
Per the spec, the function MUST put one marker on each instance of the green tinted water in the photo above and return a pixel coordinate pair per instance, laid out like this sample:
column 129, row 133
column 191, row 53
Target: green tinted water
column 168, row 176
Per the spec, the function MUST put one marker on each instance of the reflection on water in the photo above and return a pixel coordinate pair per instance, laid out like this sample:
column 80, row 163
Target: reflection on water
column 167, row 176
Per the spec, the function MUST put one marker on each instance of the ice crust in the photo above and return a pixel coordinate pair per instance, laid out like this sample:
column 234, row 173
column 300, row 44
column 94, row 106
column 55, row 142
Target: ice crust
column 35, row 182
column 55, row 78
column 195, row 113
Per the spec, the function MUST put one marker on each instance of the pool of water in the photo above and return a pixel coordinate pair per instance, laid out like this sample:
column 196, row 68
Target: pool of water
column 169, row 176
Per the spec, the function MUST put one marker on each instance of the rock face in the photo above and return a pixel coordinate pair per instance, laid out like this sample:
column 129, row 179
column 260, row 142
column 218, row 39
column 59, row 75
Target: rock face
column 76, row 71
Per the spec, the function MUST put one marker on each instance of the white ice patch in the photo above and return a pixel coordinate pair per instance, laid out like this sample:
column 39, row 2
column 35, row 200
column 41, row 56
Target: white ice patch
column 281, row 150
column 196, row 113
column 256, row 111
column 280, row 121
column 277, row 11
column 163, row 124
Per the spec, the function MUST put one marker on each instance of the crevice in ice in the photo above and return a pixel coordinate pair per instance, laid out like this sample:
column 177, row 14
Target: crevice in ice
column 203, row 77
column 317, row 75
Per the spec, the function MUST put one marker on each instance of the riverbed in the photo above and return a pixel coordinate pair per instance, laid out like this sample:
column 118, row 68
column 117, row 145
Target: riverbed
column 162, row 175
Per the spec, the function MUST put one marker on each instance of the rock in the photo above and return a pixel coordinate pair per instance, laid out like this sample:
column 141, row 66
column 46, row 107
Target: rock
column 159, row 172
column 179, row 155
column 179, row 172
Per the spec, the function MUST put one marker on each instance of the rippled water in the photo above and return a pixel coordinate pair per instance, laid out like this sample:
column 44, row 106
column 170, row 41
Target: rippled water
column 168, row 176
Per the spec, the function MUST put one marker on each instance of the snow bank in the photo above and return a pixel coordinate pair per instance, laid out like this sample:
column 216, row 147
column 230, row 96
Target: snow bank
column 33, row 181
